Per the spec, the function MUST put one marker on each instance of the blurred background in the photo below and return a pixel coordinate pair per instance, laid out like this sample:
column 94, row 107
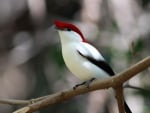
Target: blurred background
column 31, row 64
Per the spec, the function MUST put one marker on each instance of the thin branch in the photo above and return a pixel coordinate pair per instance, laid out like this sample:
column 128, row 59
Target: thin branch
column 114, row 81
column 120, row 99
column 21, row 102
column 136, row 88
column 14, row 102
column 132, row 71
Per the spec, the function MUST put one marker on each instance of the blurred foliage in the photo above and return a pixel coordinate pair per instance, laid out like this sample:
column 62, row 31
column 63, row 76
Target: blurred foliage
column 145, row 3
column 135, row 49
column 64, row 8
column 146, row 94
column 55, row 53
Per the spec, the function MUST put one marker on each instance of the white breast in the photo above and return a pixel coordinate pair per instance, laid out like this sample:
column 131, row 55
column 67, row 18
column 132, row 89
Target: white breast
column 80, row 66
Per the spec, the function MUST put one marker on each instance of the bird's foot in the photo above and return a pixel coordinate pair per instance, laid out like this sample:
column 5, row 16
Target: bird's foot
column 86, row 83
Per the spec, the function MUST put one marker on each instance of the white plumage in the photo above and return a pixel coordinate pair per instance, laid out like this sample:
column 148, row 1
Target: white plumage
column 78, row 65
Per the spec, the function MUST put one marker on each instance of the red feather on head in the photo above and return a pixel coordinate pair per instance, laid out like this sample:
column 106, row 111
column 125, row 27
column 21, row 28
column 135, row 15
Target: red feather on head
column 63, row 25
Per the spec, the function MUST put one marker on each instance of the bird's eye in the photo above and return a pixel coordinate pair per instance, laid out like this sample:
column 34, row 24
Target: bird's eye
column 68, row 29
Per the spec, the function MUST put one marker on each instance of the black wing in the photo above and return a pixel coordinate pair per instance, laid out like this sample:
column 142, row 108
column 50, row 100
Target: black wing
column 100, row 63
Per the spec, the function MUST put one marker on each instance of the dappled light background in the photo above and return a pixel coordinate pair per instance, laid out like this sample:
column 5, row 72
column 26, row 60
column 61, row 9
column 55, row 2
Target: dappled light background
column 31, row 64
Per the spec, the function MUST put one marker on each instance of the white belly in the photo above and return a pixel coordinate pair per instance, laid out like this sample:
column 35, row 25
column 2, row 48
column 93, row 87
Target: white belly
column 79, row 66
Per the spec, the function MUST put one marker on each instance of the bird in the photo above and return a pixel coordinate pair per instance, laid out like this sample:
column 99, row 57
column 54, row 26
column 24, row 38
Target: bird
column 82, row 58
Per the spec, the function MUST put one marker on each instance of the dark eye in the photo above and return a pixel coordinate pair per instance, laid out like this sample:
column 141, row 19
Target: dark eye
column 68, row 29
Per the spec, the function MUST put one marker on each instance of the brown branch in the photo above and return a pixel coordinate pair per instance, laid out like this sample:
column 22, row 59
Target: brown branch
column 14, row 102
column 114, row 81
column 120, row 98
column 21, row 102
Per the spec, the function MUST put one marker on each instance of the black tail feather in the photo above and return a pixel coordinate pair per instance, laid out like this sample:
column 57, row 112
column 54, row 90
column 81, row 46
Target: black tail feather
column 127, row 109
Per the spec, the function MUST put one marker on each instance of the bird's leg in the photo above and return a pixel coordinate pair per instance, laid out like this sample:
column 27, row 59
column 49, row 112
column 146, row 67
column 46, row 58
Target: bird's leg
column 79, row 85
column 86, row 83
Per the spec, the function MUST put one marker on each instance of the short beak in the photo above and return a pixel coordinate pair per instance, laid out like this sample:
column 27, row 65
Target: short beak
column 53, row 27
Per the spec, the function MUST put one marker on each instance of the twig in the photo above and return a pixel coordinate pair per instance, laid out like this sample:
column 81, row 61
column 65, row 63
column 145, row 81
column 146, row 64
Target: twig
column 136, row 88
column 21, row 102
column 14, row 102
column 120, row 98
